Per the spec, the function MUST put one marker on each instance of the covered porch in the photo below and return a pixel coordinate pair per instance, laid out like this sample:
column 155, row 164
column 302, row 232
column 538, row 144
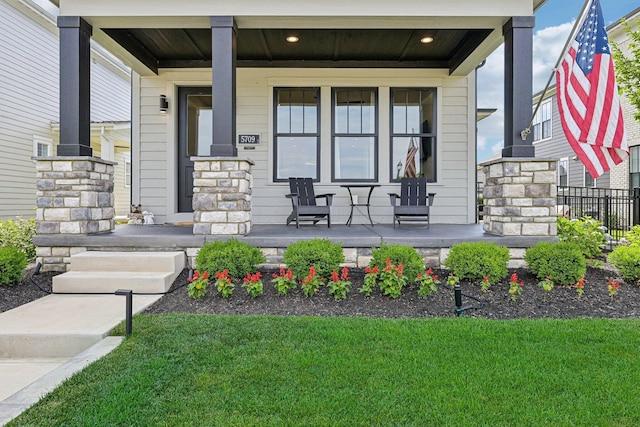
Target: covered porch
column 232, row 98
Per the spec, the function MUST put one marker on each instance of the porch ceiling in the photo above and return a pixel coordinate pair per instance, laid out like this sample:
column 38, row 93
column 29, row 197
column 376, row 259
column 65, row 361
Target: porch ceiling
column 371, row 48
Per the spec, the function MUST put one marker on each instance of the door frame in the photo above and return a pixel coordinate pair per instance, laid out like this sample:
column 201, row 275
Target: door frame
column 184, row 183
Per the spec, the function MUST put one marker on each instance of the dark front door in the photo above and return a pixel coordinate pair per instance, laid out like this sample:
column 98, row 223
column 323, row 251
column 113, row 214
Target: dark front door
column 195, row 124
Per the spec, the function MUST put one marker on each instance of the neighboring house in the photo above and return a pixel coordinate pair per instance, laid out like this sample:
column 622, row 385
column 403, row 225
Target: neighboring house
column 29, row 106
column 336, row 91
column 550, row 141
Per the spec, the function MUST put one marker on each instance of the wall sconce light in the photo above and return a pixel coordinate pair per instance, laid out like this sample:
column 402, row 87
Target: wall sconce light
column 164, row 104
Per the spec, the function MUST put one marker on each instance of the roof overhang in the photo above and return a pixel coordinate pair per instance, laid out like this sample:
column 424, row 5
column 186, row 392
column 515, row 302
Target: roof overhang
column 332, row 33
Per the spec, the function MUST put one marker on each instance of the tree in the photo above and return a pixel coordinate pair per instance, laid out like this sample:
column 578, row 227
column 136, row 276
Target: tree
column 628, row 68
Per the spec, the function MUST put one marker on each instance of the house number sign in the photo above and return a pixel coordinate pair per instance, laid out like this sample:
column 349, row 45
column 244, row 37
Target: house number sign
column 249, row 139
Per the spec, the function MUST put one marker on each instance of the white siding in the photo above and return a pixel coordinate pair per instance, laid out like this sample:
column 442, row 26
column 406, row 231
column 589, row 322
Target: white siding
column 29, row 102
column 455, row 200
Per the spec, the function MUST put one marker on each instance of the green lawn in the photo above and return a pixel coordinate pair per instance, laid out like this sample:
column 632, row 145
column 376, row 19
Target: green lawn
column 183, row 370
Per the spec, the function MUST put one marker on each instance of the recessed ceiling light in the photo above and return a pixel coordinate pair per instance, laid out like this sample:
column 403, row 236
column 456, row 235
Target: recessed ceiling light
column 426, row 40
column 292, row 39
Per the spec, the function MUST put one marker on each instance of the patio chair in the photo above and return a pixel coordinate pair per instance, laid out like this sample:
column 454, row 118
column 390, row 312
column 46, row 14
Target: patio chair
column 303, row 202
column 414, row 201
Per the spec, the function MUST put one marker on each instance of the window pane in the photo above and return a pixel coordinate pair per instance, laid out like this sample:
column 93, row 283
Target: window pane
column 413, row 115
column 399, row 111
column 355, row 111
column 634, row 160
column 562, row 172
column 199, row 125
column 283, row 111
column 43, row 150
column 297, row 156
column 411, row 154
column 588, row 180
column 428, row 103
column 354, row 158
column 310, row 111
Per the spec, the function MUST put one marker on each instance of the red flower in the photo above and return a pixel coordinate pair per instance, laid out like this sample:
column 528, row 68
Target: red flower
column 344, row 274
column 486, row 279
column 521, row 284
column 374, row 270
column 334, row 276
column 435, row 277
column 429, row 272
column 514, row 278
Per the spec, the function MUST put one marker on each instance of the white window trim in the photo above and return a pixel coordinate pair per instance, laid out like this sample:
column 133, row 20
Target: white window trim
column 584, row 179
column 549, row 102
column 127, row 161
column 566, row 161
column 37, row 139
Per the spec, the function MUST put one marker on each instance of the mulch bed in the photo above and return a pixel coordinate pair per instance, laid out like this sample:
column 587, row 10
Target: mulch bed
column 561, row 302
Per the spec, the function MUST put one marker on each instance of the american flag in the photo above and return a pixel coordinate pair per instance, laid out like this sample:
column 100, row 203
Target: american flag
column 410, row 162
column 588, row 99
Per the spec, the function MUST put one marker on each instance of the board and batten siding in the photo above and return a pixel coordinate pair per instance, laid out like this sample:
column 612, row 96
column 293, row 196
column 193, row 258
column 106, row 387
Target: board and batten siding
column 29, row 102
column 157, row 176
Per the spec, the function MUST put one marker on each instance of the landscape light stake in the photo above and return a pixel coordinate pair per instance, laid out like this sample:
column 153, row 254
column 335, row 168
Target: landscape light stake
column 458, row 298
column 129, row 309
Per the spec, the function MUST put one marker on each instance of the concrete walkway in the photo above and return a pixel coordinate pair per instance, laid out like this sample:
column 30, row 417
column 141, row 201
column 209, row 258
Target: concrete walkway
column 46, row 341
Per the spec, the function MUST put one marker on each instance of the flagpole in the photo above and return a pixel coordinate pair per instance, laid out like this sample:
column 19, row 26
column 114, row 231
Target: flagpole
column 572, row 35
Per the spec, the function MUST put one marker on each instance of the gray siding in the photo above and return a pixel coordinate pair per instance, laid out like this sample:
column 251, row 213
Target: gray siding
column 557, row 147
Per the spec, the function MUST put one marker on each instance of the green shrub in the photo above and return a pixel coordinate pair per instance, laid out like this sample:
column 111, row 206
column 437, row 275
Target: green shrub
column 12, row 263
column 627, row 260
column 587, row 233
column 633, row 236
column 19, row 234
column 239, row 258
column 562, row 262
column 320, row 253
column 412, row 262
column 477, row 260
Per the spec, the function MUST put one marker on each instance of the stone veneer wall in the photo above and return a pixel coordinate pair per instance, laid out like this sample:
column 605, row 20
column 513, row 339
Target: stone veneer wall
column 520, row 197
column 354, row 257
column 74, row 196
column 222, row 195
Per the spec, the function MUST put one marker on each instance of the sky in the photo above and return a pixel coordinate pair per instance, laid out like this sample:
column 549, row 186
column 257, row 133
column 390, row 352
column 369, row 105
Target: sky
column 554, row 21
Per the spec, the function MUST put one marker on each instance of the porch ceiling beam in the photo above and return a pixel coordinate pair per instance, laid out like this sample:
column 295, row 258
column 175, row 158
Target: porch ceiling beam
column 307, row 64
column 136, row 48
column 464, row 50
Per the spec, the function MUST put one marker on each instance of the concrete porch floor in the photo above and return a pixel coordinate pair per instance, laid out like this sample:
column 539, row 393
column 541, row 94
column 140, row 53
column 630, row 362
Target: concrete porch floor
column 273, row 235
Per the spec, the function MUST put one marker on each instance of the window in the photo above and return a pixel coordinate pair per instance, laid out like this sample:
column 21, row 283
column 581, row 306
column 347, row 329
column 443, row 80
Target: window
column 413, row 133
column 355, row 135
column 563, row 171
column 634, row 167
column 589, row 181
column 42, row 146
column 542, row 122
column 297, row 133
column 127, row 172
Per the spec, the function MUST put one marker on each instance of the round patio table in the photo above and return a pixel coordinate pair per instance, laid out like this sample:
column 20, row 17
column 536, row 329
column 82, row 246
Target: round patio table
column 354, row 203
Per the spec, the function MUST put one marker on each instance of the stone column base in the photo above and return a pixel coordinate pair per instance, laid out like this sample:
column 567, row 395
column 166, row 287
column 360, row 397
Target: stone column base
column 222, row 195
column 520, row 197
column 74, row 196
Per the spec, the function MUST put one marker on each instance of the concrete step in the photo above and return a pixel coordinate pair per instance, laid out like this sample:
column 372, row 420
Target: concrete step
column 98, row 272
column 63, row 325
column 111, row 281
column 128, row 261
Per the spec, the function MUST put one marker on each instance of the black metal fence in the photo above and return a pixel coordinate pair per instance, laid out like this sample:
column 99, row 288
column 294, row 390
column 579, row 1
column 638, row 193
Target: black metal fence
column 617, row 209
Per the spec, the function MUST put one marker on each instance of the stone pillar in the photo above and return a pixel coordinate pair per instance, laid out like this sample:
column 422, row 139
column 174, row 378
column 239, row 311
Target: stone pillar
column 74, row 196
column 222, row 195
column 520, row 197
